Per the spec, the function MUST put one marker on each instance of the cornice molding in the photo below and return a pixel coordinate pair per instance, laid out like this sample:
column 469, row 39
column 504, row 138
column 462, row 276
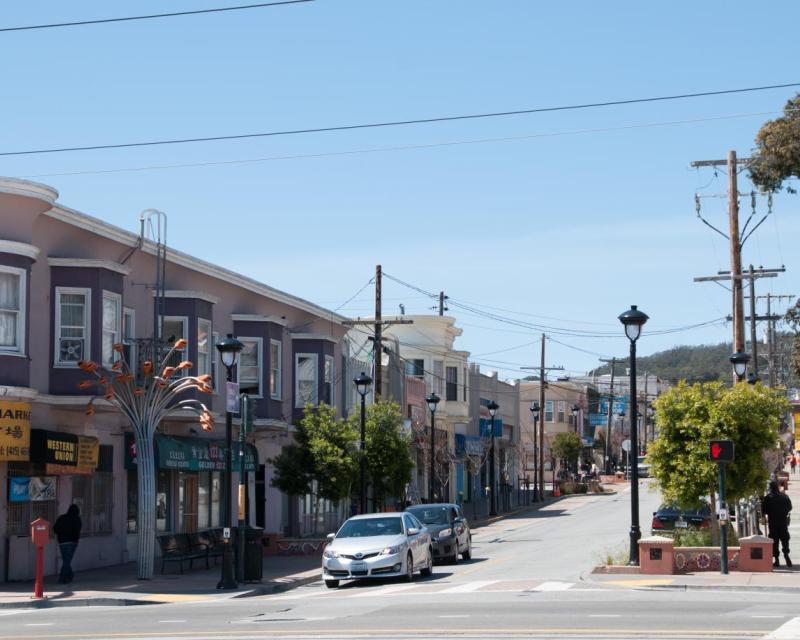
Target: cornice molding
column 192, row 295
column 314, row 336
column 29, row 189
column 19, row 249
column 255, row 317
column 90, row 263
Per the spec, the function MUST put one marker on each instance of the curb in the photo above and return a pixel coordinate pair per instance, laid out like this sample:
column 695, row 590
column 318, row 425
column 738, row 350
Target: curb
column 46, row 603
column 708, row 587
column 279, row 586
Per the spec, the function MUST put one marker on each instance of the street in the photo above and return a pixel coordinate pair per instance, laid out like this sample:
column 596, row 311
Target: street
column 529, row 578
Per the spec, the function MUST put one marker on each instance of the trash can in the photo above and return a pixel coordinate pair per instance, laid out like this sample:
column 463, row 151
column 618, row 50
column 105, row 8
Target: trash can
column 253, row 555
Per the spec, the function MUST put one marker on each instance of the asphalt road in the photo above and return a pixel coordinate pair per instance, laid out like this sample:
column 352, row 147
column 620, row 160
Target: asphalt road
column 527, row 580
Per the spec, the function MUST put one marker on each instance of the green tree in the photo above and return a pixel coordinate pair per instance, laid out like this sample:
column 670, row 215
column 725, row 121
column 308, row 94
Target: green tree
column 777, row 156
column 567, row 446
column 689, row 416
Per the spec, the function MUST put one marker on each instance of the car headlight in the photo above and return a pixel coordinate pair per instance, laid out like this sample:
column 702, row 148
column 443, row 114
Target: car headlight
column 330, row 553
column 390, row 551
column 445, row 532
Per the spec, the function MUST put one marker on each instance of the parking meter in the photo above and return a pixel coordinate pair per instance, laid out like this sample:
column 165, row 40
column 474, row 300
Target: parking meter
column 40, row 536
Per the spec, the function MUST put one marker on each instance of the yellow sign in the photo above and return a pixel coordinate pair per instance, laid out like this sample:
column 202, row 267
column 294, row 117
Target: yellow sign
column 15, row 431
column 88, row 451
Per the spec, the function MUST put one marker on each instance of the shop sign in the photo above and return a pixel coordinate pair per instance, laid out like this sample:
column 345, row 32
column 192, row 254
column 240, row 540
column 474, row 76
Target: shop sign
column 191, row 454
column 52, row 447
column 32, row 489
column 88, row 458
column 15, row 431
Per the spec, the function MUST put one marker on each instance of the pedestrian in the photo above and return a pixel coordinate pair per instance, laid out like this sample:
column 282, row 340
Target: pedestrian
column 775, row 507
column 68, row 532
column 793, row 464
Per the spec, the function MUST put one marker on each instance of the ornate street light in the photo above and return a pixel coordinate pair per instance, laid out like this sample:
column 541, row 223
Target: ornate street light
column 432, row 401
column 362, row 383
column 229, row 349
column 535, row 413
column 492, row 407
column 634, row 320
column 575, row 412
column 739, row 361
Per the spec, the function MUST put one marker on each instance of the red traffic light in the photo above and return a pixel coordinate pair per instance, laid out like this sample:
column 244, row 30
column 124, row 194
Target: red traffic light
column 720, row 451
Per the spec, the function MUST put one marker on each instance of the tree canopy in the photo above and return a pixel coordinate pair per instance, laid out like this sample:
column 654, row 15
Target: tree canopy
column 777, row 155
column 567, row 446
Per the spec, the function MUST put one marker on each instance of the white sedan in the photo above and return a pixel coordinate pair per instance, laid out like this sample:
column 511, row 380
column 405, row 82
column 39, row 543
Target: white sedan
column 377, row 545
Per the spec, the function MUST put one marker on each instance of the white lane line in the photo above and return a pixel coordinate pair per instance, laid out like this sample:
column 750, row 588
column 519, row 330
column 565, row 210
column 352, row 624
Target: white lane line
column 14, row 612
column 788, row 631
column 460, row 615
column 553, row 586
column 40, row 624
column 605, row 615
column 779, row 616
column 160, row 621
column 469, row 586
column 371, row 592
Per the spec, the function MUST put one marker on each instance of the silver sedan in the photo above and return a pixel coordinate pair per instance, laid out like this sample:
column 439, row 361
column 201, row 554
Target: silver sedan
column 378, row 545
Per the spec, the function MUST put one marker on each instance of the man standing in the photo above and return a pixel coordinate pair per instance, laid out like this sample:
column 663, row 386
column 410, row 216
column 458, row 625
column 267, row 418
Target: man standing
column 776, row 507
column 68, row 531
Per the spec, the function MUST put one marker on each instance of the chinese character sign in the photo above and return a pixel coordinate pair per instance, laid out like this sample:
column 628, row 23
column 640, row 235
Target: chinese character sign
column 15, row 431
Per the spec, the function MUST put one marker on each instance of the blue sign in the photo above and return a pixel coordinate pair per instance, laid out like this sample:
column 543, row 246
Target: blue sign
column 619, row 406
column 598, row 419
column 486, row 429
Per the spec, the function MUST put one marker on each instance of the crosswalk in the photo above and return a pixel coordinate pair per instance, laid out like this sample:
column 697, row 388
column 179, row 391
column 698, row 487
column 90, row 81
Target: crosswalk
column 423, row 587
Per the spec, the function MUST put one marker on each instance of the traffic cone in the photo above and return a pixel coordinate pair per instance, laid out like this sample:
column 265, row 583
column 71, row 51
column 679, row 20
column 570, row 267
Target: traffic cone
column 556, row 490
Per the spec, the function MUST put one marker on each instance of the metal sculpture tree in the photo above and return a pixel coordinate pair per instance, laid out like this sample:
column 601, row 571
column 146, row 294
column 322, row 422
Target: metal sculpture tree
column 145, row 401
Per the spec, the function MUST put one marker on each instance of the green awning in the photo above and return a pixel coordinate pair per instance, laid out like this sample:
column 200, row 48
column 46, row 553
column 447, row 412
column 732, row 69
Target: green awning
column 192, row 454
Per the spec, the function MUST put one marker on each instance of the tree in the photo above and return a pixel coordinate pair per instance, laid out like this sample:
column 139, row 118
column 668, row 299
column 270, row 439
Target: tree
column 777, row 155
column 688, row 417
column 387, row 450
column 567, row 446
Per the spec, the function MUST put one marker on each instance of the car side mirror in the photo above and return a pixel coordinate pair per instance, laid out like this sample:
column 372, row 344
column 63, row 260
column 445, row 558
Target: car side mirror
column 331, row 536
column 459, row 520
column 413, row 531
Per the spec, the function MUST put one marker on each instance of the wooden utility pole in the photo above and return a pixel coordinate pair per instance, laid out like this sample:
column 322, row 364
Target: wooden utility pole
column 770, row 343
column 736, row 254
column 442, row 298
column 753, row 337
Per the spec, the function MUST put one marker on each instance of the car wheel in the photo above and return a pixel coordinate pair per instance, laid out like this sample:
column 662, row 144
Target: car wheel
column 332, row 584
column 409, row 568
column 428, row 569
column 454, row 559
column 467, row 553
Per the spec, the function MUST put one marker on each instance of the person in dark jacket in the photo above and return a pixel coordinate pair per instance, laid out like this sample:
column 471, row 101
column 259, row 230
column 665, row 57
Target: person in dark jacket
column 68, row 532
column 776, row 507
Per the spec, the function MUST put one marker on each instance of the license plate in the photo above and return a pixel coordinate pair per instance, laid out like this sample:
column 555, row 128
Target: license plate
column 358, row 566
column 681, row 524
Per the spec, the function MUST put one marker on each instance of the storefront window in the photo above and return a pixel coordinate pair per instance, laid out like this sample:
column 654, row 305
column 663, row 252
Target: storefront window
column 216, row 498
column 162, row 506
column 31, row 495
column 203, row 500
column 187, row 502
column 133, row 499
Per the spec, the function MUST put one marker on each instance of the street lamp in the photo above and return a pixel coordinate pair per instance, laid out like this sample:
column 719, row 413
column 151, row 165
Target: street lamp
column 752, row 378
column 535, row 413
column 575, row 411
column 229, row 349
column 362, row 383
column 432, row 401
column 739, row 361
column 634, row 320
column 492, row 407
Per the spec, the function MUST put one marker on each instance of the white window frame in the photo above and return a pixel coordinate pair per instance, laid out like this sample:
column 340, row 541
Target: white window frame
column 562, row 411
column 209, row 335
column 438, row 376
column 332, row 361
column 184, row 334
column 260, row 353
column 214, row 359
column 552, row 411
column 19, row 349
column 276, row 370
column 315, row 358
column 87, row 328
column 117, row 332
column 129, row 321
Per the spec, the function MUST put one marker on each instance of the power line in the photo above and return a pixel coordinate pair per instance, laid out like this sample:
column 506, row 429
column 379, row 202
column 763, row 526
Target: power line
column 80, row 23
column 397, row 123
column 412, row 147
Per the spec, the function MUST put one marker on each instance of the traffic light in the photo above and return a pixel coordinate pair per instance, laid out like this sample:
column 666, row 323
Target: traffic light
column 720, row 451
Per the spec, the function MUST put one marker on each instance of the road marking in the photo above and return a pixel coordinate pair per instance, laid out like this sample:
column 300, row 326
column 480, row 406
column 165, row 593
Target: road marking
column 460, row 615
column 469, row 586
column 385, row 591
column 14, row 612
column 172, row 621
column 788, row 631
column 605, row 615
column 39, row 624
column 553, row 586
column 784, row 615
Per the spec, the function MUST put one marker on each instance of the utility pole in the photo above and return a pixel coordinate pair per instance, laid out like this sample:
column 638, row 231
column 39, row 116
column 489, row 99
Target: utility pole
column 442, row 298
column 607, row 452
column 753, row 338
column 736, row 254
column 770, row 343
column 644, row 417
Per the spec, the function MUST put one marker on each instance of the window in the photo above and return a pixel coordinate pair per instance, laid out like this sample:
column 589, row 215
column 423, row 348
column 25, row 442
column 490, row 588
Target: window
column 327, row 387
column 173, row 329
column 276, row 366
column 415, row 368
column 452, row 383
column 305, row 379
column 129, row 338
column 214, row 359
column 94, row 495
column 203, row 500
column 562, row 410
column 249, row 368
column 548, row 410
column 112, row 326
column 464, row 398
column 216, row 498
column 133, row 499
column 12, row 310
column 203, row 347
column 162, row 505
column 438, row 377
column 72, row 327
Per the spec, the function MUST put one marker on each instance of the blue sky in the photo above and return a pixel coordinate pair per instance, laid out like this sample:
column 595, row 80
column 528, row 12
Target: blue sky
column 578, row 216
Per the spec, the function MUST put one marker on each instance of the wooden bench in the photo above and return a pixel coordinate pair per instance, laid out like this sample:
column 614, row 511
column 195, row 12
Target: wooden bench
column 209, row 542
column 177, row 547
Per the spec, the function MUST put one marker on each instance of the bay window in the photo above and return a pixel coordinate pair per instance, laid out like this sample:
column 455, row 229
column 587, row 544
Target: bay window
column 12, row 310
column 306, row 380
column 275, row 364
column 112, row 326
column 249, row 368
column 203, row 347
column 73, row 326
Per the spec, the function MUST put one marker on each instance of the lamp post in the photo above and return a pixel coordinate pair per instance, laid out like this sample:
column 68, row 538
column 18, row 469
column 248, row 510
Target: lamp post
column 575, row 413
column 633, row 320
column 362, row 383
column 492, row 407
column 432, row 401
column 739, row 361
column 229, row 349
column 621, row 415
column 535, row 413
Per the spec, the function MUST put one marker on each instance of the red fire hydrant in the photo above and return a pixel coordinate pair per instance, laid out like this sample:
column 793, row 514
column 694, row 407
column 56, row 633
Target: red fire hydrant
column 40, row 536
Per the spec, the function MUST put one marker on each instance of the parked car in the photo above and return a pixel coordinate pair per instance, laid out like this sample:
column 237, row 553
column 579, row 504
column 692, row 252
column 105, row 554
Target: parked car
column 672, row 517
column 449, row 529
column 377, row 545
column 643, row 467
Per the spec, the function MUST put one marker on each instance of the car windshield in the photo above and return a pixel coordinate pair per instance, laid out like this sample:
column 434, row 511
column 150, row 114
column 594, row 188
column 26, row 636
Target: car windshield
column 368, row 527
column 430, row 515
